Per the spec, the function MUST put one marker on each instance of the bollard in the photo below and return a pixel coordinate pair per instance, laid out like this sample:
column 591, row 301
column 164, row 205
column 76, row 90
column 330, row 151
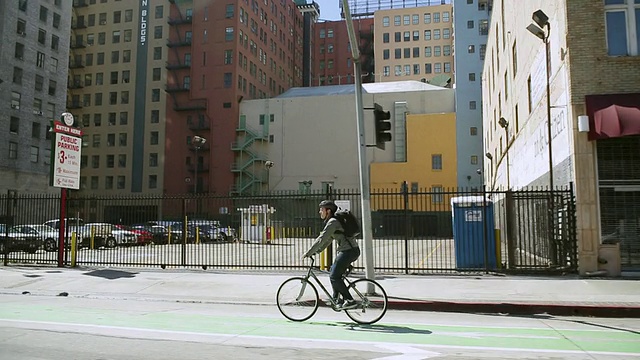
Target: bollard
column 73, row 249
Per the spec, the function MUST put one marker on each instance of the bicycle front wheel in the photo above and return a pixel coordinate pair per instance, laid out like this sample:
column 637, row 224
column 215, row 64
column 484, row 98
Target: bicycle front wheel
column 297, row 299
column 371, row 299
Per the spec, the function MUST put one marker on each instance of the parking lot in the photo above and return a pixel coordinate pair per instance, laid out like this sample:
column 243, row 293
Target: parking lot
column 391, row 255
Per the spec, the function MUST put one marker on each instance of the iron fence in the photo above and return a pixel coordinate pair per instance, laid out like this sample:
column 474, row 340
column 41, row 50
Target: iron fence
column 414, row 231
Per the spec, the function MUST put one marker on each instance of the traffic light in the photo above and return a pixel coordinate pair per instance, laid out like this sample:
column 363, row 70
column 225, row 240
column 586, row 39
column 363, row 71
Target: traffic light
column 383, row 127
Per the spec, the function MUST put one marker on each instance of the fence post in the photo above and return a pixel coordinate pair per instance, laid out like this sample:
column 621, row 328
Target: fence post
column 485, row 238
column 509, row 223
column 184, row 233
column 407, row 225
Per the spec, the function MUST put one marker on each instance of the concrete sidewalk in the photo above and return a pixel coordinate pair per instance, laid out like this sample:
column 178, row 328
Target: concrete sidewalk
column 482, row 294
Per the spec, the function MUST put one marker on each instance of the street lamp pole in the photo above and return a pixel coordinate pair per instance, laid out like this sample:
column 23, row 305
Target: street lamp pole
column 505, row 125
column 198, row 142
column 542, row 21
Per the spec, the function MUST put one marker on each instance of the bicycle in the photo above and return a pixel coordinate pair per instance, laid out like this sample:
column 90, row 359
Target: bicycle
column 297, row 298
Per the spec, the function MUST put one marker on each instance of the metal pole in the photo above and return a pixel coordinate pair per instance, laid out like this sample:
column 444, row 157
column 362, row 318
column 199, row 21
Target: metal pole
column 365, row 198
column 63, row 226
column 551, row 222
column 195, row 186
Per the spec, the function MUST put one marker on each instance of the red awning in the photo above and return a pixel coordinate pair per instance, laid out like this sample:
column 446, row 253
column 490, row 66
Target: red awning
column 612, row 116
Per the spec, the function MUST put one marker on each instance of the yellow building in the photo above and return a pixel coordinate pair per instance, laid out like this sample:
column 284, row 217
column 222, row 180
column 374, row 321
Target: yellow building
column 429, row 173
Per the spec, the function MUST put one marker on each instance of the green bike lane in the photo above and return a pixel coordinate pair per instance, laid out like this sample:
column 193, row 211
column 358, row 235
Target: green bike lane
column 264, row 322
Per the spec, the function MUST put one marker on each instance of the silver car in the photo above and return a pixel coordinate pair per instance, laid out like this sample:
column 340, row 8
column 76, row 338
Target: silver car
column 48, row 235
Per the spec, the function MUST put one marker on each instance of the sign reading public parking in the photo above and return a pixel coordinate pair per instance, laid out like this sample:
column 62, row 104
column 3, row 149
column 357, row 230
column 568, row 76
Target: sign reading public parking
column 66, row 154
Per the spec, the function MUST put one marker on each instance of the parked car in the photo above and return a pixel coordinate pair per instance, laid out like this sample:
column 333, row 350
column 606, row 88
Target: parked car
column 108, row 235
column 213, row 231
column 71, row 224
column 11, row 240
column 159, row 233
column 143, row 236
column 48, row 235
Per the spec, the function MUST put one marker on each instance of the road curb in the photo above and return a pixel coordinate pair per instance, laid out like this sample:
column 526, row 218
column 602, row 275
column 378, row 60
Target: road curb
column 603, row 310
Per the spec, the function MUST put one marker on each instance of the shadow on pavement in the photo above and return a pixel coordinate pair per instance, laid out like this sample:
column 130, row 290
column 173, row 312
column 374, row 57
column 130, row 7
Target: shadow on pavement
column 583, row 322
column 385, row 329
column 111, row 274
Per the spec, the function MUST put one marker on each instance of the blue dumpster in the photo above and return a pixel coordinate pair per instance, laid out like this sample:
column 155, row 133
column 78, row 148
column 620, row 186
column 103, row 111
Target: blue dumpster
column 472, row 225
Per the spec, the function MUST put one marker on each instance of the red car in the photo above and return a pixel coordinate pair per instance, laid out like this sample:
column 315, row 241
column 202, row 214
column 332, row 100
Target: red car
column 144, row 237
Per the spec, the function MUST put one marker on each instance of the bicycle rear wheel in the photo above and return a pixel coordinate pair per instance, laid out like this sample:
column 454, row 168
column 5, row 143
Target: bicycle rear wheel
column 371, row 299
column 297, row 299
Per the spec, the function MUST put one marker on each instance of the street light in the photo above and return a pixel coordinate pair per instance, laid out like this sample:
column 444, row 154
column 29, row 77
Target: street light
column 505, row 125
column 542, row 21
column 268, row 165
column 197, row 142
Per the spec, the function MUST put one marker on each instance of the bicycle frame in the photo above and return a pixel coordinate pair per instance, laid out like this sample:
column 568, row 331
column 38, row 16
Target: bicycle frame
column 311, row 274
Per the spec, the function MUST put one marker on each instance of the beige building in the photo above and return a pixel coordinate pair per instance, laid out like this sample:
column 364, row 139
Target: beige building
column 414, row 44
column 310, row 134
column 593, row 81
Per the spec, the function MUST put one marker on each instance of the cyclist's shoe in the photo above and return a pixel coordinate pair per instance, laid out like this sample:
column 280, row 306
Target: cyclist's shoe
column 349, row 304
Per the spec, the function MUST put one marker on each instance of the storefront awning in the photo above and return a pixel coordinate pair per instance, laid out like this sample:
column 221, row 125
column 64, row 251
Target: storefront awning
column 612, row 116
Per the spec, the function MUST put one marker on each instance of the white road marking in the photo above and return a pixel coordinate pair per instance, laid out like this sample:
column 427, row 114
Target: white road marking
column 406, row 352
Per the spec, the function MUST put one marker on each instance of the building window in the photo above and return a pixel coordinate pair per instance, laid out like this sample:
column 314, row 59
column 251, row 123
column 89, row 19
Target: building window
column 406, row 20
column 436, row 34
column 385, row 38
column 483, row 27
column 153, row 160
column 474, row 159
column 228, row 34
column 427, row 69
column 14, row 125
column 473, row 131
column 407, row 53
column 330, row 33
column 472, row 105
column 416, row 69
column 398, row 53
column 155, row 116
column 436, row 161
column 622, row 19
column 386, row 70
column 157, row 32
column 447, row 67
column 437, row 196
column 155, row 95
column 427, row 18
column 397, row 36
column 427, row 35
column 483, row 50
column 407, row 35
column 416, row 52
column 35, row 152
column 396, row 20
column 159, row 12
column 43, row 13
column 385, row 21
column 472, row 76
column 446, row 33
column 108, row 182
column 323, row 33
column 121, row 182
column 13, row 150
column 153, row 181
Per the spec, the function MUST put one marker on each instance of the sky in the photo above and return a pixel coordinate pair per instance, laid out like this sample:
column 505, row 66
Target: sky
column 329, row 9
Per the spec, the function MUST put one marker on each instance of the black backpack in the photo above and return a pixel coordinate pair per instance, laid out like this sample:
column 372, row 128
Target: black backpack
column 349, row 223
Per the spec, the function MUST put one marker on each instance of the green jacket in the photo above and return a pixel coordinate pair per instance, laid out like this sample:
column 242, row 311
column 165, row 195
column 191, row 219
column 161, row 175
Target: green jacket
column 332, row 230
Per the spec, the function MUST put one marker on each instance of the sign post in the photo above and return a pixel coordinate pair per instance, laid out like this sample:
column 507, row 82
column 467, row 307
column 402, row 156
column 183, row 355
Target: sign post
column 65, row 169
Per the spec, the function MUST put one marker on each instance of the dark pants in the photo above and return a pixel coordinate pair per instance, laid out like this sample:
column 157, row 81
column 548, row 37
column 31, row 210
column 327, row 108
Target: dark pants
column 340, row 265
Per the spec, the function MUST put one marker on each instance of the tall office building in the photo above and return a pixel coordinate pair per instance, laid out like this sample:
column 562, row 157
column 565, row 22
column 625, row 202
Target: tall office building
column 415, row 43
column 149, row 77
column 34, row 56
column 333, row 60
column 471, row 26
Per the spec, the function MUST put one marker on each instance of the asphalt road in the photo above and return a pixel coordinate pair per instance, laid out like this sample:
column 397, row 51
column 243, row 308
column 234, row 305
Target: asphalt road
column 55, row 328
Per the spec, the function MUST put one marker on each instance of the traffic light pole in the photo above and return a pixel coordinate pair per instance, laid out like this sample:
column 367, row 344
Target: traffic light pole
column 365, row 198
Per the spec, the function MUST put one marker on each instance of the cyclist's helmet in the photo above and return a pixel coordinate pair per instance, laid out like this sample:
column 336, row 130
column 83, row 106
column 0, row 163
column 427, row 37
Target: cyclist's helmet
column 328, row 204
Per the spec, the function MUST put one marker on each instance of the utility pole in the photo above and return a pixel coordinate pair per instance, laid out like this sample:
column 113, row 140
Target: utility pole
column 365, row 198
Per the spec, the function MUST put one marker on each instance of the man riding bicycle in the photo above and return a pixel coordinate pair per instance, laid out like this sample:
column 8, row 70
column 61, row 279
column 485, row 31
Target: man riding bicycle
column 348, row 252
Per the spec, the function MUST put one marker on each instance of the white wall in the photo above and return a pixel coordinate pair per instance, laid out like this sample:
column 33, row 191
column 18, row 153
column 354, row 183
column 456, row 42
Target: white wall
column 315, row 137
